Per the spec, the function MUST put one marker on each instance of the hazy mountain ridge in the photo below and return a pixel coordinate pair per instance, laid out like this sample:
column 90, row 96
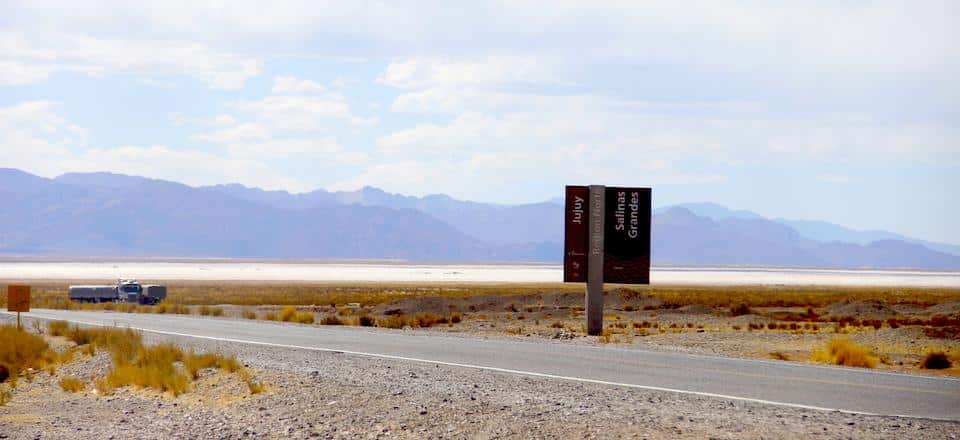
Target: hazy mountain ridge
column 110, row 214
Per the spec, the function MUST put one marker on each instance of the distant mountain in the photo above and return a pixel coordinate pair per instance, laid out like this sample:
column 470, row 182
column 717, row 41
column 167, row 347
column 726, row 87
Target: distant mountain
column 115, row 215
column 491, row 223
column 713, row 211
column 824, row 231
column 682, row 237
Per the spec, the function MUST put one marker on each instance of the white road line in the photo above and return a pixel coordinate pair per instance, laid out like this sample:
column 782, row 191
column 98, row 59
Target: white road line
column 507, row 370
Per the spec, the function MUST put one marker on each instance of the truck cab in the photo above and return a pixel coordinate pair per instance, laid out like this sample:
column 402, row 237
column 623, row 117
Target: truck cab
column 129, row 290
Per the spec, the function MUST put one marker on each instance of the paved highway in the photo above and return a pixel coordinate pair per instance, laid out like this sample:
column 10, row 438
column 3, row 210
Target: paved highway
column 773, row 382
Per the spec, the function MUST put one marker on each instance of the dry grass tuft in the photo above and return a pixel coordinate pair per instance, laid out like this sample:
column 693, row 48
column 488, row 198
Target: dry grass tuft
column 780, row 356
column 936, row 360
column 332, row 320
column 392, row 321
column 366, row 321
column 842, row 351
column 20, row 351
column 248, row 314
column 72, row 384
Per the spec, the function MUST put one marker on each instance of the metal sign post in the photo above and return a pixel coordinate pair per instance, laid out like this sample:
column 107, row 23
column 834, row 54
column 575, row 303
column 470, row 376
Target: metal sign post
column 594, row 294
column 606, row 239
column 18, row 300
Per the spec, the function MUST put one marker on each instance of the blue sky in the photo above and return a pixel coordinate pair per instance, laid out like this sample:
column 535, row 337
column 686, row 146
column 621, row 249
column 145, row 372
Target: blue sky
column 839, row 111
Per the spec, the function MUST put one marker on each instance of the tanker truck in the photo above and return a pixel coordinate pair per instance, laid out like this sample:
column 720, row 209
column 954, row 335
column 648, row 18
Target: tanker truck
column 123, row 291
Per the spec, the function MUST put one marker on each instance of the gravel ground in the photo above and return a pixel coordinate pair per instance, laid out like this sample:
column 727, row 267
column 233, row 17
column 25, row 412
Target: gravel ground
column 330, row 395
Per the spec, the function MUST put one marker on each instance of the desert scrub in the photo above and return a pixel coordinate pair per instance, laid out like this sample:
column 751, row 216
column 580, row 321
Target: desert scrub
column 20, row 351
column 842, row 351
column 249, row 314
column 392, row 321
column 72, row 384
column 936, row 360
column 332, row 320
column 366, row 321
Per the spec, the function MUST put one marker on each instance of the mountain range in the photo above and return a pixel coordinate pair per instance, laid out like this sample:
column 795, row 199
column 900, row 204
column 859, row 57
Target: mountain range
column 104, row 214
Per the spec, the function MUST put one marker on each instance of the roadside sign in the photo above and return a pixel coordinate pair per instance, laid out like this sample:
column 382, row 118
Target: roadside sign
column 575, row 235
column 624, row 236
column 18, row 298
column 606, row 239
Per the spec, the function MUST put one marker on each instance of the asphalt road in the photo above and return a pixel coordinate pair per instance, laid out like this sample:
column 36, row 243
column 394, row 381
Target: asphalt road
column 772, row 382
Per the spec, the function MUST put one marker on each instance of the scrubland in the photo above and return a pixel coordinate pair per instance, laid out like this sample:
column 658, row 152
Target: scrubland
column 904, row 329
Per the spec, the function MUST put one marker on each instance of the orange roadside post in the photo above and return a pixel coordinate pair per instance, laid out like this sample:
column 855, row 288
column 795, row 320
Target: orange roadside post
column 18, row 300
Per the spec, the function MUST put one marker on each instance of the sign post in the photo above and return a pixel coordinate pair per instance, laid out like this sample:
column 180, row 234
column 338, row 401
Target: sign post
column 594, row 295
column 606, row 239
column 18, row 300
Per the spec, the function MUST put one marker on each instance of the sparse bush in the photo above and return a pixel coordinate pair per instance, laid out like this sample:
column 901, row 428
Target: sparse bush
column 456, row 318
column 629, row 308
column 426, row 320
column 392, row 321
column 20, row 350
column 556, row 324
column 740, row 309
column 780, row 356
column 366, row 321
column 72, row 384
column 288, row 314
column 58, row 328
column 936, row 360
column 248, row 314
column 271, row 316
column 331, row 320
column 842, row 351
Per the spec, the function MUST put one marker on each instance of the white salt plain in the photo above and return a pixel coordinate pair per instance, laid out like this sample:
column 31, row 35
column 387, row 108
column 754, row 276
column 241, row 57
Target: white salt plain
column 448, row 273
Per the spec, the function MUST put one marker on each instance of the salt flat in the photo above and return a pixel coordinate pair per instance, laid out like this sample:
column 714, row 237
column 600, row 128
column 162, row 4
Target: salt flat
column 226, row 270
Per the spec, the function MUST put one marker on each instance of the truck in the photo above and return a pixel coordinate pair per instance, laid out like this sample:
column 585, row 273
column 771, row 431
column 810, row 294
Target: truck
column 123, row 291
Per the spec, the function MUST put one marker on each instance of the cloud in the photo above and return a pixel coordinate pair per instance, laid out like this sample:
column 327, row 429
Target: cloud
column 33, row 59
column 239, row 133
column 296, row 112
column 287, row 84
column 426, row 72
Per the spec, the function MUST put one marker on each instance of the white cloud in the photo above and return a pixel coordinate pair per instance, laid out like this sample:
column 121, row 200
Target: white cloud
column 240, row 133
column 426, row 72
column 33, row 59
column 288, row 84
column 296, row 112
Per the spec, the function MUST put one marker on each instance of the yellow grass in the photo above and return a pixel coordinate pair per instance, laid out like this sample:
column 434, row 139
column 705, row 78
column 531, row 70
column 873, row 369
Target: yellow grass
column 842, row 351
column 72, row 384
column 54, row 295
column 20, row 351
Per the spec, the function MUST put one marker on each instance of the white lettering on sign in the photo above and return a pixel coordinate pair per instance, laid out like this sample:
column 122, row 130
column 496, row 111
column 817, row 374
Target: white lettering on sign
column 634, row 215
column 596, row 212
column 618, row 213
column 578, row 210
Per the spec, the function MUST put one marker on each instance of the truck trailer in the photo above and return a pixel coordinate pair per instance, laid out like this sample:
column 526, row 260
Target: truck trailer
column 123, row 291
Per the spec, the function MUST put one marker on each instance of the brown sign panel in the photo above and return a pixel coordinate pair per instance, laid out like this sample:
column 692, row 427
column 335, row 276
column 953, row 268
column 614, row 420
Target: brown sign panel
column 18, row 298
column 575, row 234
column 626, row 236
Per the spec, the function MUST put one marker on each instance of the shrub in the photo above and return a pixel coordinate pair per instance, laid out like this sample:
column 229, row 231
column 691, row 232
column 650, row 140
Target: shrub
column 367, row 321
column 331, row 320
column 249, row 314
column 204, row 311
column 288, row 314
column 58, row 328
column 72, row 384
column 304, row 318
column 842, row 351
column 740, row 309
column 936, row 360
column 392, row 321
column 426, row 320
column 194, row 362
column 271, row 316
column 456, row 318
column 780, row 356
column 20, row 350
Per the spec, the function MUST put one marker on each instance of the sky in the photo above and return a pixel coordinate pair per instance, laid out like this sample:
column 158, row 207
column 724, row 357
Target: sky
column 844, row 111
